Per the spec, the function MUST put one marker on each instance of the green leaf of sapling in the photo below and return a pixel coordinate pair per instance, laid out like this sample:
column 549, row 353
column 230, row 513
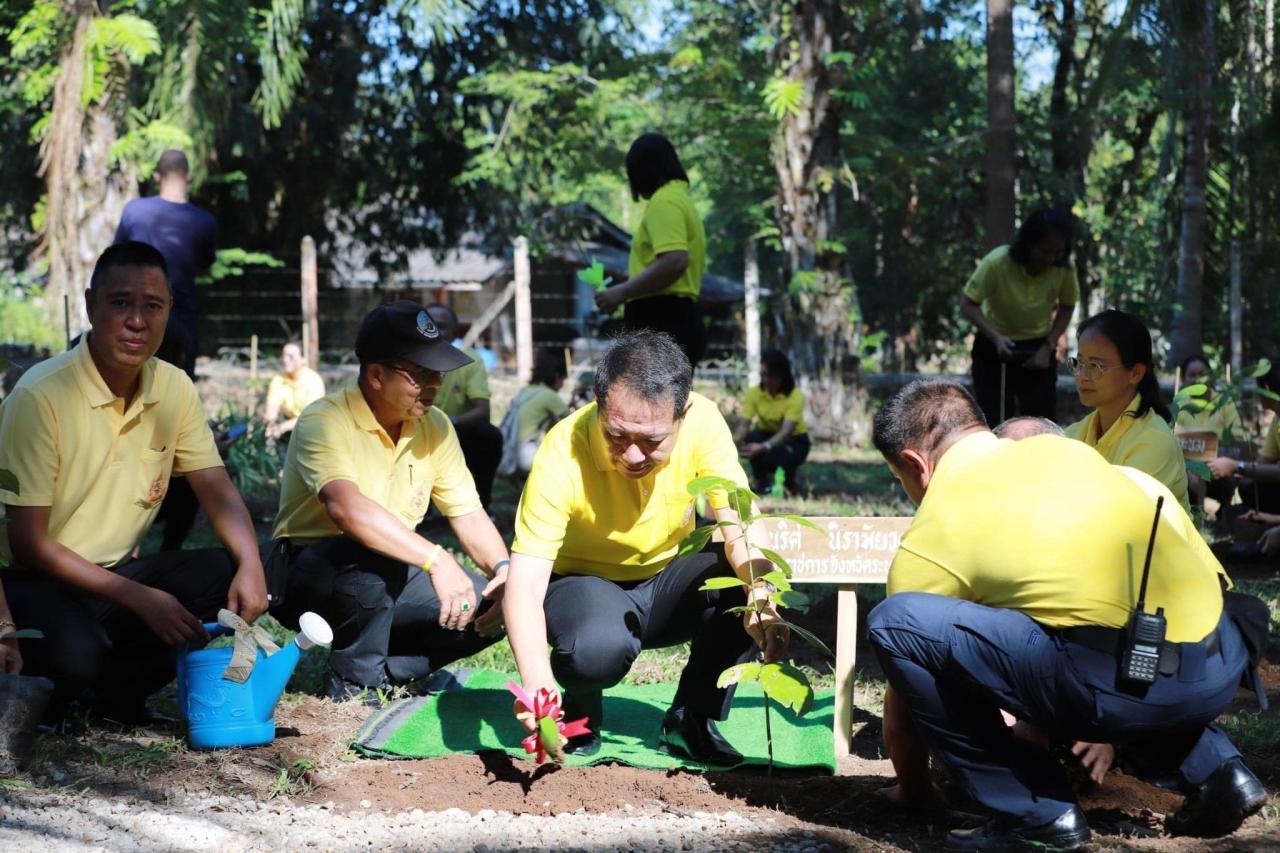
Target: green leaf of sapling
column 739, row 674
column 720, row 583
column 787, row 685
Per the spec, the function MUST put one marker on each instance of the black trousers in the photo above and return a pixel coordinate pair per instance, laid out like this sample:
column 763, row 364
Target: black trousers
column 90, row 643
column 597, row 627
column 384, row 613
column 788, row 456
column 1027, row 390
column 482, row 449
column 679, row 317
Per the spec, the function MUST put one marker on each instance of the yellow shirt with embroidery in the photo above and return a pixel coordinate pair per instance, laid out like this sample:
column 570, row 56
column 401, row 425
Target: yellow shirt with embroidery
column 589, row 519
column 1062, row 539
column 338, row 438
column 291, row 396
column 768, row 411
column 460, row 387
column 671, row 224
column 1018, row 305
column 1146, row 443
column 102, row 469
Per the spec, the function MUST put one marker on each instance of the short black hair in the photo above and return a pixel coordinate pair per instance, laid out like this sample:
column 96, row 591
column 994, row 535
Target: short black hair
column 173, row 161
column 1194, row 357
column 1040, row 225
column 777, row 363
column 649, row 363
column 548, row 366
column 922, row 416
column 131, row 253
column 652, row 162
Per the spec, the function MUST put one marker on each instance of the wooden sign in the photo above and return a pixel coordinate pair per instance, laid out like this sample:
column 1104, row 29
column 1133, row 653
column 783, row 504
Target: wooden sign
column 844, row 550
column 1198, row 445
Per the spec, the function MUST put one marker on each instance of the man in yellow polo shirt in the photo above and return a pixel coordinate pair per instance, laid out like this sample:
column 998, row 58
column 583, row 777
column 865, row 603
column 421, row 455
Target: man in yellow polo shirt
column 92, row 437
column 363, row 464
column 464, row 398
column 595, row 570
column 292, row 390
column 1015, row 597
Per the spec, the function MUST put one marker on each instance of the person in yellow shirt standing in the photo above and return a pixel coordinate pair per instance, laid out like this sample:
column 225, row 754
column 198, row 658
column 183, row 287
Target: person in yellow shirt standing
column 92, row 437
column 668, row 252
column 1129, row 424
column 1017, row 597
column 464, row 398
column 290, row 391
column 780, row 439
column 594, row 565
column 1021, row 298
column 363, row 465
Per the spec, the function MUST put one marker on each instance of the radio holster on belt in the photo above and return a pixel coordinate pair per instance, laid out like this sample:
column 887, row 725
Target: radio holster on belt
column 1144, row 632
column 276, row 566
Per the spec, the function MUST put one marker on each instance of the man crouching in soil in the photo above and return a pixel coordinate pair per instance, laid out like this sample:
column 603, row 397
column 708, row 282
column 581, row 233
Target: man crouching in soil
column 92, row 437
column 1011, row 590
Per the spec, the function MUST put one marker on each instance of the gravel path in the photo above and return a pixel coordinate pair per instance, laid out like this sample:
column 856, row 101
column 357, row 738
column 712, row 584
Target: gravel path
column 57, row 822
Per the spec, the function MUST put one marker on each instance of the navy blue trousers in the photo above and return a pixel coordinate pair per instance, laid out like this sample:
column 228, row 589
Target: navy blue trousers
column 956, row 664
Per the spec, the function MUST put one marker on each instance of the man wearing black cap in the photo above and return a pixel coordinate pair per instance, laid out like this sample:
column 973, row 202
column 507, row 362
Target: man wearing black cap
column 363, row 464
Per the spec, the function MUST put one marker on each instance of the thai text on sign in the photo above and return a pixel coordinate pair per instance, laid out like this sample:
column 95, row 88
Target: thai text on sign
column 1199, row 445
column 841, row 550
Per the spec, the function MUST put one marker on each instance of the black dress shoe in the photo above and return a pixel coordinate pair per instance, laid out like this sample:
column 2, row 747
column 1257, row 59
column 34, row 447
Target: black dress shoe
column 1220, row 804
column 583, row 745
column 1069, row 832
column 691, row 735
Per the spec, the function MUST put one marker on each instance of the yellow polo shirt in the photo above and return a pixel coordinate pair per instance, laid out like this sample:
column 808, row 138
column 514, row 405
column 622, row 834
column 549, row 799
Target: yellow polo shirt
column 671, row 224
column 102, row 469
column 1146, row 443
column 768, row 411
column 1270, row 447
column 291, row 396
column 538, row 411
column 338, row 438
column 459, row 387
column 1061, row 538
column 589, row 519
column 1018, row 305
column 1224, row 420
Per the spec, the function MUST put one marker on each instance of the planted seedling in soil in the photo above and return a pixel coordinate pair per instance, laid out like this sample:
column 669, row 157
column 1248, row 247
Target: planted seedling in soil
column 780, row 681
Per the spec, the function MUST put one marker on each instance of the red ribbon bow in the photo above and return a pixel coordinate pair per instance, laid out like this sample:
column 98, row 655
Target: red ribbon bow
column 544, row 707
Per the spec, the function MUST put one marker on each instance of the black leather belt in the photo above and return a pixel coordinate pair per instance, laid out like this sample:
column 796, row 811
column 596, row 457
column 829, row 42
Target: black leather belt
column 1111, row 640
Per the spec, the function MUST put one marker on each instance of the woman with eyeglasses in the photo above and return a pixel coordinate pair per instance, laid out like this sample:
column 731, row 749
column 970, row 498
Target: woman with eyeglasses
column 1020, row 299
column 1129, row 424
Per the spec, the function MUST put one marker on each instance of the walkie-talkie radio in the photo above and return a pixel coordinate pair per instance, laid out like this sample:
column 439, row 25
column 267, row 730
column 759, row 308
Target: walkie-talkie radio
column 1144, row 635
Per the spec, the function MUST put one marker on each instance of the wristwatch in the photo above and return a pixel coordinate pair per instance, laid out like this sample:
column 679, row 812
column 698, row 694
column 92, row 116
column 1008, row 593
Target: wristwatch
column 1240, row 466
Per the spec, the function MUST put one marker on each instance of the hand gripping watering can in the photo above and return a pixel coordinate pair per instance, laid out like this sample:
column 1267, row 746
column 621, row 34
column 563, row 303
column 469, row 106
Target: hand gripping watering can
column 221, row 712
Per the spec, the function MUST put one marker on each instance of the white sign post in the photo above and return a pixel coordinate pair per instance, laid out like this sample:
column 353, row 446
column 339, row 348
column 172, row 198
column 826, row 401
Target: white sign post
column 843, row 551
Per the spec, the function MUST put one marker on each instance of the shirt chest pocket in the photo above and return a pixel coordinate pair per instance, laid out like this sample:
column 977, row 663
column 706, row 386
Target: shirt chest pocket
column 153, row 470
column 679, row 510
column 411, row 491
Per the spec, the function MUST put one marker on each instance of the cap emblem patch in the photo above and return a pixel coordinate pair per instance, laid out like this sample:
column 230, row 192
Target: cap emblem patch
column 426, row 328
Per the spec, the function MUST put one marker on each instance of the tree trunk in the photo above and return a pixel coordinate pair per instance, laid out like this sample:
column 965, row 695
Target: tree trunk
column 1000, row 168
column 820, row 316
column 84, row 195
column 1188, row 321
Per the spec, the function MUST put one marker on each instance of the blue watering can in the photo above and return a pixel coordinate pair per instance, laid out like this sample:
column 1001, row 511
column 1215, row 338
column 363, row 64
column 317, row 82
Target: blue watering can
column 222, row 713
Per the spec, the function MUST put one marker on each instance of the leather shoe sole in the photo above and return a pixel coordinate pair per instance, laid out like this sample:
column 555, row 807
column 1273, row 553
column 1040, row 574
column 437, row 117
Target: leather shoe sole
column 583, row 745
column 1069, row 832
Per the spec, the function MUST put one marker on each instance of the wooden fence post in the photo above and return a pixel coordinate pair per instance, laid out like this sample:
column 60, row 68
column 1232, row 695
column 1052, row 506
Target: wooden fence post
column 310, row 305
column 253, row 358
column 751, row 283
column 524, row 312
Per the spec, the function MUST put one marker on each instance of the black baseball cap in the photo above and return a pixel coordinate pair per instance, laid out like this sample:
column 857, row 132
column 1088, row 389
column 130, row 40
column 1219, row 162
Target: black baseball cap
column 403, row 329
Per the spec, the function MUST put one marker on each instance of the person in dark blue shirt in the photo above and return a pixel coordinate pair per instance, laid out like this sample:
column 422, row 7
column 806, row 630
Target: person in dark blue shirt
column 184, row 234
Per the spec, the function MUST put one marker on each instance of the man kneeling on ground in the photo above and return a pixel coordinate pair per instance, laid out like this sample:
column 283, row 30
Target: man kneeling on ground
column 595, row 570
column 1000, row 599
column 92, row 437
column 363, row 464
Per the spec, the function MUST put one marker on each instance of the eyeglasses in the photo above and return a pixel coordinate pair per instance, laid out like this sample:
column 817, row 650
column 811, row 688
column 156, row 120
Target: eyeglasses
column 1087, row 369
column 418, row 378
